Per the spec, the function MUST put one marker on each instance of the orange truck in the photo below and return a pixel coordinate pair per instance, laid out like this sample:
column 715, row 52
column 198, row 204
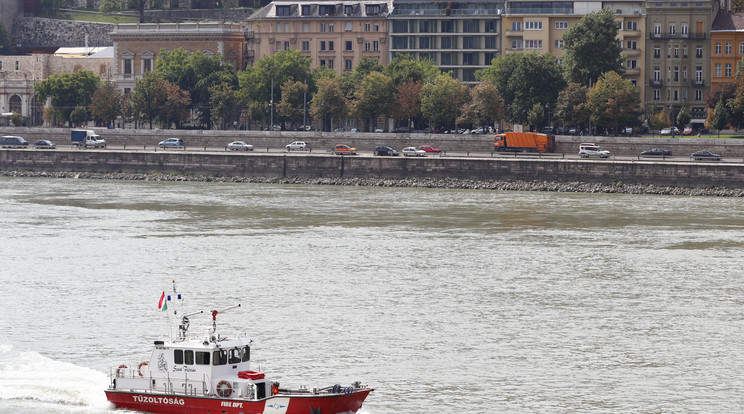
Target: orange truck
column 524, row 142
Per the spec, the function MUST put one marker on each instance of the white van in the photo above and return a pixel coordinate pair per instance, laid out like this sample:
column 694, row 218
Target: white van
column 588, row 149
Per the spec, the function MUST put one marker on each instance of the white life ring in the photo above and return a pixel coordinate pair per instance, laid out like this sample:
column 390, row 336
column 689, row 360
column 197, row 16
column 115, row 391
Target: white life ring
column 224, row 389
column 121, row 371
column 139, row 368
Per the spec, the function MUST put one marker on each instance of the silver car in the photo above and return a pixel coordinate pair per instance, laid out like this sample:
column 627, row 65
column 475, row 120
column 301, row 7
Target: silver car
column 239, row 146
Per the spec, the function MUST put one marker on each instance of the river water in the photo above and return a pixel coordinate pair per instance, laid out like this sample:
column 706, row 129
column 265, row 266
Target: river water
column 444, row 301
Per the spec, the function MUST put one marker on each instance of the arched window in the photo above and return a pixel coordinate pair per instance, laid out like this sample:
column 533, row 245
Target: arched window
column 16, row 105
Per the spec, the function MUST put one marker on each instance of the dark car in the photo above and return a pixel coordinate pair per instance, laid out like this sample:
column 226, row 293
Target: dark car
column 402, row 129
column 385, row 151
column 705, row 155
column 45, row 144
column 656, row 152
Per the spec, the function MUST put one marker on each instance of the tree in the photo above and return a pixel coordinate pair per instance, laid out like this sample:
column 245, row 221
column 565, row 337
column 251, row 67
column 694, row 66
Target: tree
column 536, row 115
column 156, row 99
column 407, row 68
column 106, row 103
column 407, row 101
column 373, row 98
column 351, row 81
column 78, row 115
column 485, row 106
column 614, row 102
column 6, row 46
column 329, row 103
column 222, row 99
column 294, row 100
column 592, row 48
column 660, row 120
column 67, row 91
column 571, row 108
column 524, row 79
column 684, row 116
column 719, row 120
column 442, row 100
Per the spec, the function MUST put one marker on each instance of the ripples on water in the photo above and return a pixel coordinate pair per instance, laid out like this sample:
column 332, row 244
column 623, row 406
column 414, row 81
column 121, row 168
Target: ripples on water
column 442, row 300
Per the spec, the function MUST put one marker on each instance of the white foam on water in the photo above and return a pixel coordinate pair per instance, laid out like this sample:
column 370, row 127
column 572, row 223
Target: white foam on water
column 30, row 376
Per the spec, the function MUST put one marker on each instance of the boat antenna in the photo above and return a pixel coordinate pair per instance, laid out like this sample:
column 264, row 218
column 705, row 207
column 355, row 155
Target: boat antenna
column 214, row 316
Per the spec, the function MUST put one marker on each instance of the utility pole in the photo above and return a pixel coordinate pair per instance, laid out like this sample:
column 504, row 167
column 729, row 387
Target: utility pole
column 271, row 105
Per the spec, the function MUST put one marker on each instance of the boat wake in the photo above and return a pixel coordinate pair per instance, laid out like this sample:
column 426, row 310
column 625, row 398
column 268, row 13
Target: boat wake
column 39, row 380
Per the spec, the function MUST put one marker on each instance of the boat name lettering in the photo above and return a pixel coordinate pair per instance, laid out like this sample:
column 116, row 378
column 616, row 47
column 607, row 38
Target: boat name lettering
column 187, row 369
column 158, row 400
column 231, row 404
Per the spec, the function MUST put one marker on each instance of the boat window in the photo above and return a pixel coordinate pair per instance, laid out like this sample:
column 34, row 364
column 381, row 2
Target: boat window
column 246, row 353
column 178, row 356
column 220, row 357
column 189, row 357
column 202, row 358
column 234, row 355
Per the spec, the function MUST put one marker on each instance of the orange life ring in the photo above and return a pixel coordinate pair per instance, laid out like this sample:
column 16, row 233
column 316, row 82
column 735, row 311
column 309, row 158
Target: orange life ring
column 224, row 389
column 120, row 371
column 139, row 368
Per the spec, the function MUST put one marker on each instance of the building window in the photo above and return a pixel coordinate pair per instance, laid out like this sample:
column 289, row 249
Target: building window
column 718, row 48
column 17, row 65
column 533, row 44
column 676, row 52
column 717, row 70
column 657, row 73
column 517, row 26
column 400, row 26
column 16, row 104
column 366, row 27
column 657, row 29
column 347, row 64
column 347, row 45
column 282, row 10
column 146, row 65
column 446, row 43
column 632, row 44
column 684, row 29
column 326, row 10
column 277, row 46
column 657, row 95
column 684, row 51
column 672, row 29
column 741, row 48
column 330, row 45
column 279, row 28
column 322, row 62
column 698, row 95
column 305, row 10
column 699, row 52
column 330, row 63
column 446, row 59
column 657, row 52
column 561, row 25
column 559, row 44
column 305, row 46
column 684, row 74
column 330, row 27
column 469, row 59
column 127, row 66
column 727, row 70
column 676, row 73
column 322, row 28
column 489, row 58
column 306, row 27
column 530, row 25
column 631, row 26
column 1, row 65
column 699, row 73
column 376, row 26
column 631, row 63
column 424, row 42
column 516, row 44
column 492, row 26
column 373, row 9
column 491, row 42
column 347, row 27
column 322, row 45
column 367, row 46
column 676, row 95
column 376, row 46
column 470, row 42
column 470, row 26
column 728, row 48
column 348, row 10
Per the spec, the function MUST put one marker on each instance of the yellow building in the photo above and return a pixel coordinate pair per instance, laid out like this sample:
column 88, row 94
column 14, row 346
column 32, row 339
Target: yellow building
column 727, row 47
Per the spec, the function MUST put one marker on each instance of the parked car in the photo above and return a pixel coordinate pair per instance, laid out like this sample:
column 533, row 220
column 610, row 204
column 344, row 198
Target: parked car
column 171, row 143
column 298, row 145
column 239, row 145
column 385, row 151
column 402, row 129
column 705, row 155
column 45, row 144
column 273, row 128
column 668, row 131
column 687, row 131
column 339, row 130
column 380, row 130
column 429, row 148
column 587, row 150
column 413, row 152
column 656, row 152
column 354, row 130
column 342, row 149
column 572, row 131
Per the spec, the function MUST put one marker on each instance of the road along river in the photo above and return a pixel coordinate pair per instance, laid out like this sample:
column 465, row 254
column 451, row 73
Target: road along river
column 442, row 300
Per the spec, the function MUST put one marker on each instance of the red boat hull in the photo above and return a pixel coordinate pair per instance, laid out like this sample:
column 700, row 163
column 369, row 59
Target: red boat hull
column 277, row 404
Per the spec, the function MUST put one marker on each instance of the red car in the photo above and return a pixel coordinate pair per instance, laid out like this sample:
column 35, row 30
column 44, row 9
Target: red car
column 429, row 148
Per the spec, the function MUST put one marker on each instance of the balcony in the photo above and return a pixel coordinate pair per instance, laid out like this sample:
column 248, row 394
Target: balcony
column 691, row 36
column 697, row 83
column 654, row 83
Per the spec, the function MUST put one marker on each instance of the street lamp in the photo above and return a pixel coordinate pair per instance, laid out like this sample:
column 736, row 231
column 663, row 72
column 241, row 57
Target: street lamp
column 671, row 118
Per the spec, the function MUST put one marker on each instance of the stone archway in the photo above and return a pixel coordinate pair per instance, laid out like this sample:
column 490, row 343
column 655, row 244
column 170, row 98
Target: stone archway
column 16, row 104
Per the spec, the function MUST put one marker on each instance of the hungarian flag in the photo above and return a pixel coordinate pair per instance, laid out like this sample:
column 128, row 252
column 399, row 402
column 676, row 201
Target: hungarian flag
column 162, row 305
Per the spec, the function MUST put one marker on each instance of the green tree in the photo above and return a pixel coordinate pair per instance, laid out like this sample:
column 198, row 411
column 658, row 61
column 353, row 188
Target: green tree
column 293, row 103
column 6, row 46
column 407, row 101
column 405, row 67
column 684, row 116
column 255, row 82
column 67, row 91
column 592, row 48
column 571, row 108
column 223, row 99
column 106, row 103
column 719, row 120
column 524, row 79
column 660, row 120
column 485, row 106
column 352, row 80
column 78, row 116
column 373, row 98
column 329, row 103
column 442, row 100
column 614, row 102
column 536, row 115
column 154, row 99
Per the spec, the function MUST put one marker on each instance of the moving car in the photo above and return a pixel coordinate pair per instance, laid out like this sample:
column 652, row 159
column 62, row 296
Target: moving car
column 429, row 148
column 297, row 145
column 11, row 141
column 45, row 144
column 342, row 149
column 656, row 152
column 705, row 155
column 171, row 143
column 588, row 149
column 413, row 152
column 668, row 131
column 385, row 151
column 239, row 145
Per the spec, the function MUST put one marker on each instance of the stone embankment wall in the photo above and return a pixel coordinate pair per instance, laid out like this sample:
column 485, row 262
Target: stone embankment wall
column 210, row 164
column 324, row 141
column 35, row 31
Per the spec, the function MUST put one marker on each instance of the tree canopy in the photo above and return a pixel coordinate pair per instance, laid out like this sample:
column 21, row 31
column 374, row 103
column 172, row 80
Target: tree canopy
column 67, row 91
column 592, row 47
column 614, row 102
column 442, row 99
column 405, row 67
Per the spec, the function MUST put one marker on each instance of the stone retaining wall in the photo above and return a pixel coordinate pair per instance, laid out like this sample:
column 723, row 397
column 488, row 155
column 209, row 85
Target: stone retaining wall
column 673, row 174
column 36, row 31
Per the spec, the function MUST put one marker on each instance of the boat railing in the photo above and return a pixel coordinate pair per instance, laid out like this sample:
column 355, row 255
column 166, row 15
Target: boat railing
column 124, row 377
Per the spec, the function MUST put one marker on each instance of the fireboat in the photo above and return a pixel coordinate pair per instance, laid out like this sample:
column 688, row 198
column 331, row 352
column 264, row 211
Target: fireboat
column 210, row 373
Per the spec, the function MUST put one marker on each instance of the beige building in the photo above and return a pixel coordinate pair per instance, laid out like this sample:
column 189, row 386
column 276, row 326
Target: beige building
column 137, row 46
column 333, row 34
column 18, row 74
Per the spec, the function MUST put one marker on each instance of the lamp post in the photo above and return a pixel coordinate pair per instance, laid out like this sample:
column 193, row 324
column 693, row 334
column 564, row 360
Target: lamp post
column 671, row 118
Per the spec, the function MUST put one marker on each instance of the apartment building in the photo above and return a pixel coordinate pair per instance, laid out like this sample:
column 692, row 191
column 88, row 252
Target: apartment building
column 333, row 34
column 138, row 45
column 459, row 37
column 727, row 47
column 678, row 56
